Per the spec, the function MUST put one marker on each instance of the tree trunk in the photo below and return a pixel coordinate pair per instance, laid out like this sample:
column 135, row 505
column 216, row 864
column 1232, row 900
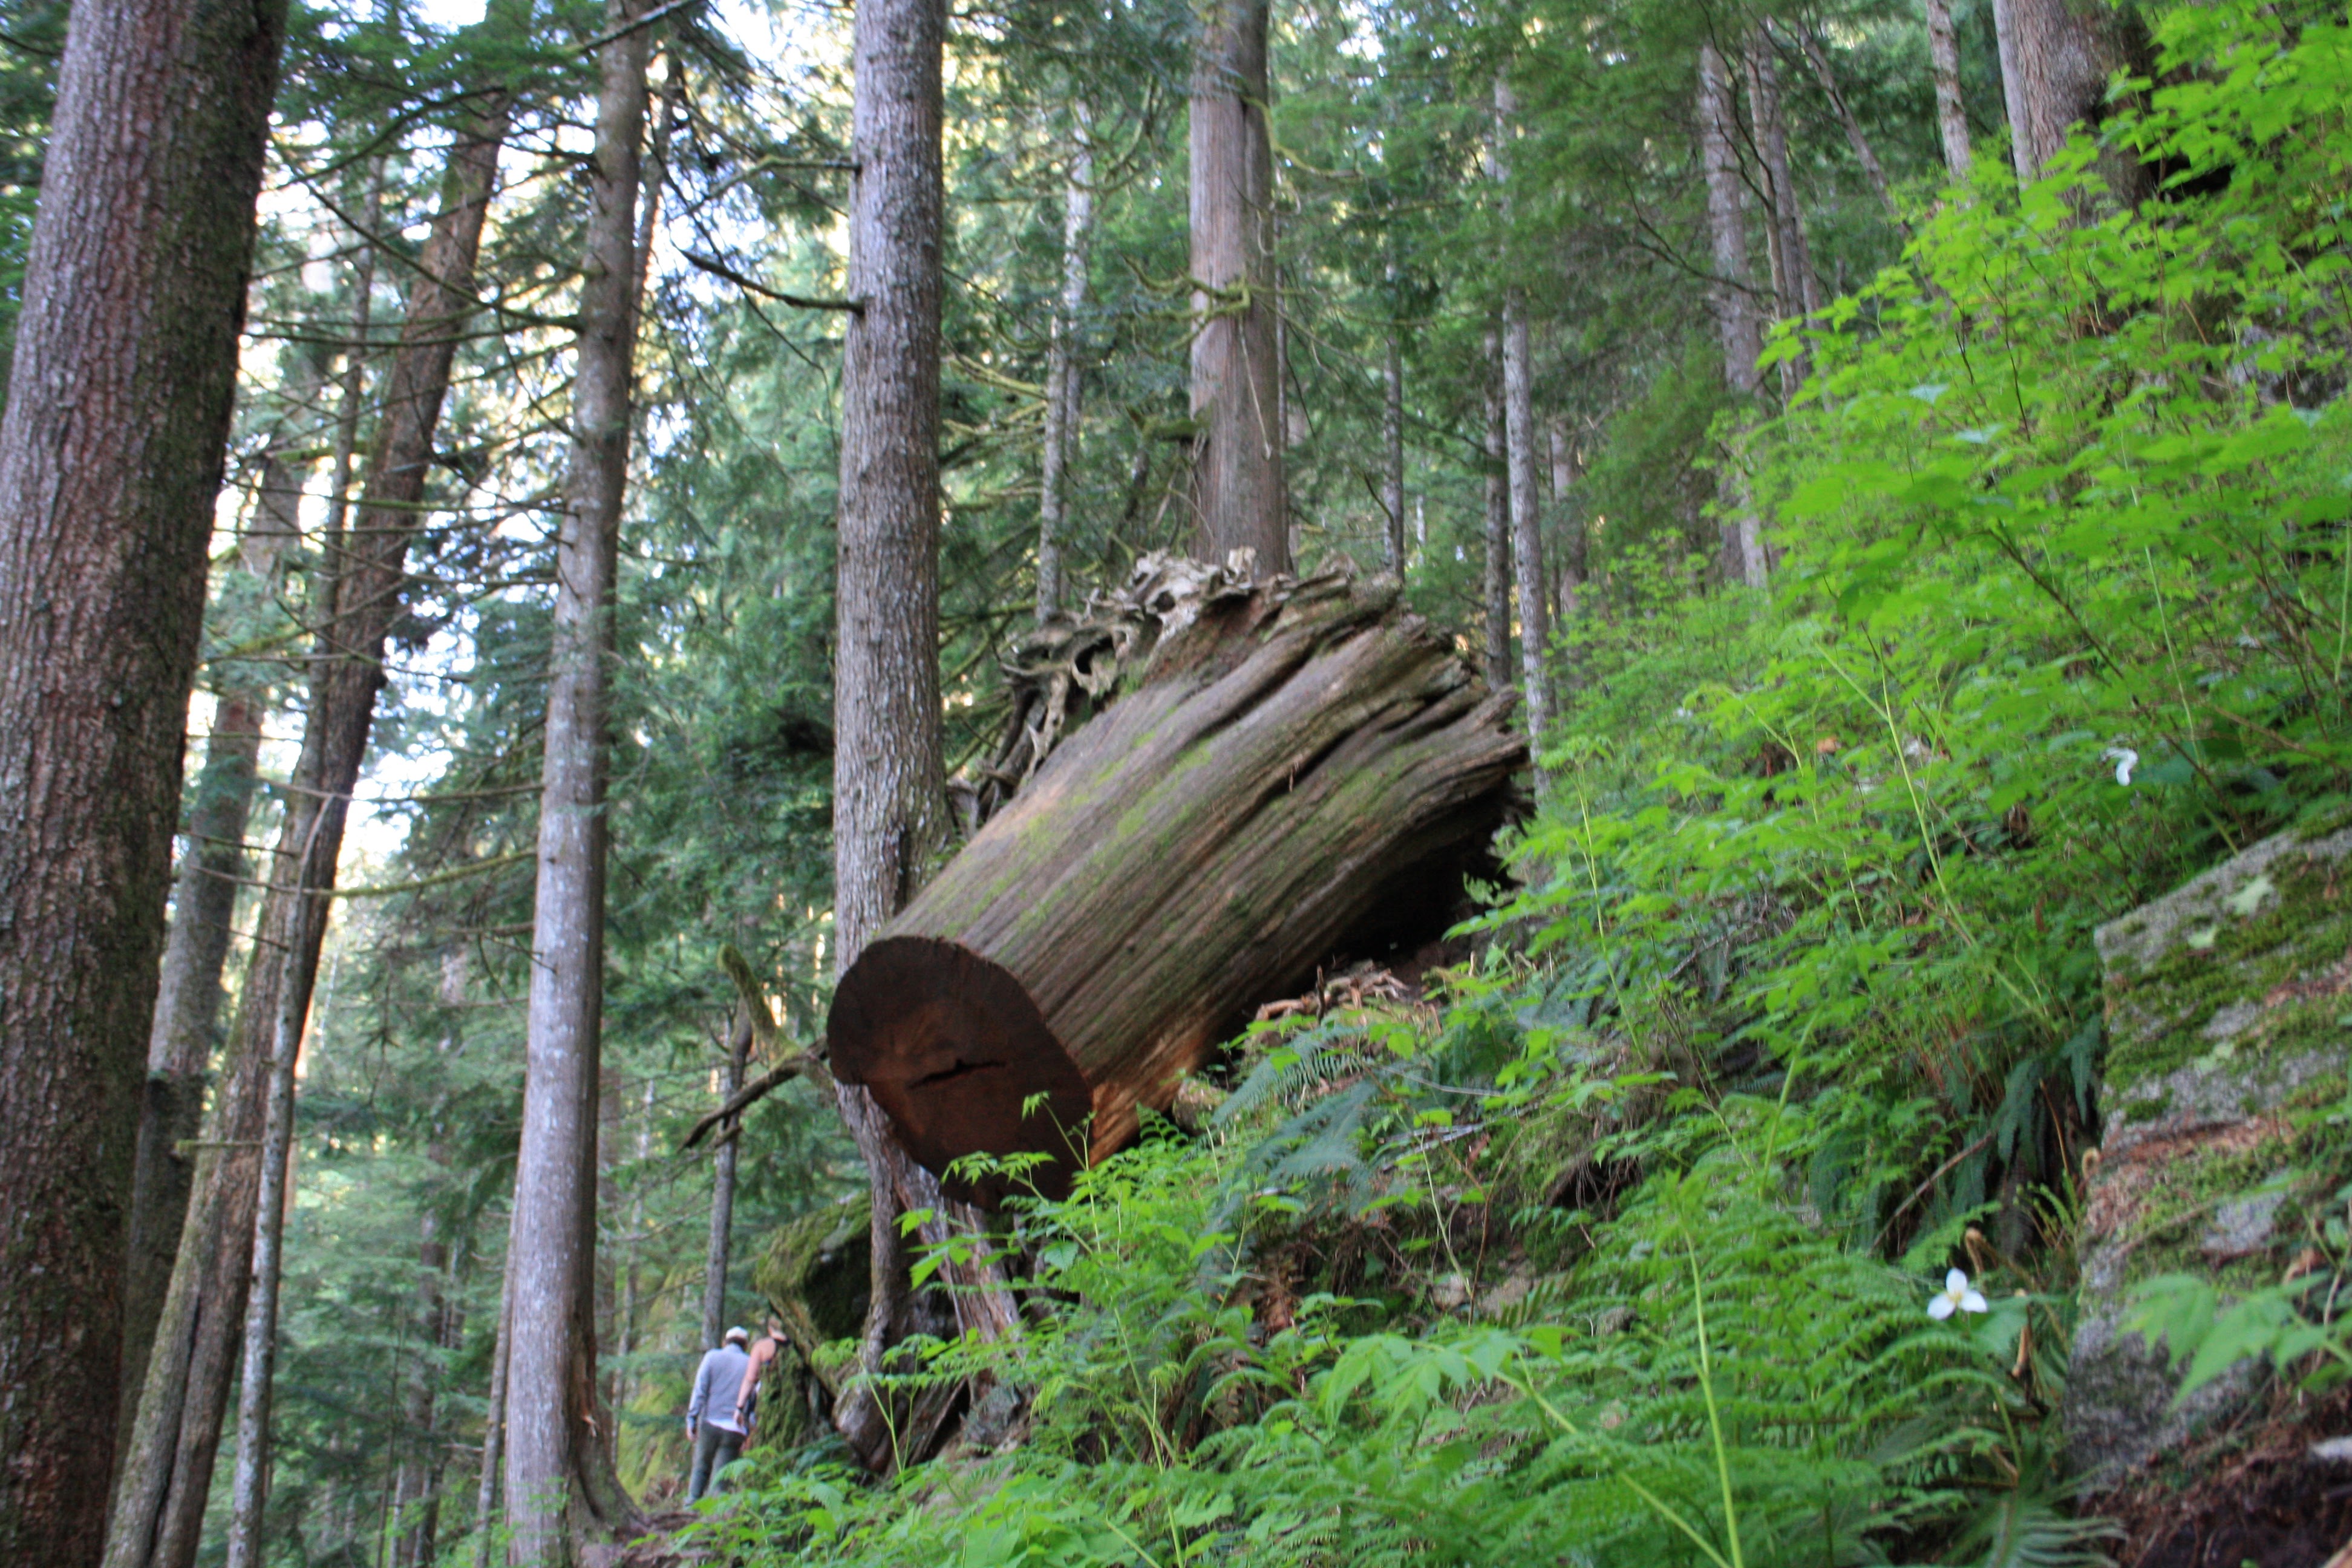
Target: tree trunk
column 111, row 450
column 2012, row 89
column 723, row 1191
column 890, row 810
column 1237, row 446
column 1726, row 224
column 204, row 902
column 1498, row 521
column 347, row 418
column 2055, row 58
column 1951, row 114
column 158, row 1514
column 250, row 1475
column 1296, row 761
column 1735, row 312
column 556, row 1492
column 436, row 1314
column 1526, row 518
column 1863, row 153
column 1392, row 430
column 494, row 1420
column 1792, row 266
column 1062, row 364
column 626, row 1334
column 1570, row 531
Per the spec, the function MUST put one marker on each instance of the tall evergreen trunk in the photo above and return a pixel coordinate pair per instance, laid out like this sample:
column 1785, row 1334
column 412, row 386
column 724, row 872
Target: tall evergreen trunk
column 624, row 1332
column 1526, row 518
column 1519, row 456
column 204, row 902
column 891, row 815
column 422, row 1456
column 1793, row 282
column 1393, row 431
column 1735, row 311
column 112, row 451
column 420, row 1461
column 557, row 1490
column 412, row 1545
column 1726, row 224
column 1238, row 447
column 1498, row 595
column 722, row 1189
column 494, row 1421
column 891, row 819
column 158, row 1515
column 249, row 1475
column 2055, row 58
column 1951, row 112
column 1062, row 377
column 1570, row 530
column 2013, row 88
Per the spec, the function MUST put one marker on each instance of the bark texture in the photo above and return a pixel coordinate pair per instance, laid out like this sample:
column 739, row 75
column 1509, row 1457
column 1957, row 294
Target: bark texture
column 1799, row 294
column 2055, row 58
column 1574, row 547
column 1526, row 515
column 1497, row 585
column 1735, row 308
column 111, row 450
column 1238, row 495
column 891, row 818
column 558, row 1491
column 250, row 1475
column 1727, row 224
column 158, row 1514
column 204, row 901
column 494, row 1423
column 1296, row 758
column 1062, row 374
column 1951, row 112
column 1392, row 432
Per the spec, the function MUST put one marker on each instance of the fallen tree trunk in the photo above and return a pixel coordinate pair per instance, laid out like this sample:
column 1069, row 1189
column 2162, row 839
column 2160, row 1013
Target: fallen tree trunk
column 1288, row 765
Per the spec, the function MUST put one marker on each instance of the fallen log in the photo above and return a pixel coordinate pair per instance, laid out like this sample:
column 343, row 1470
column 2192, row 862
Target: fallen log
column 1283, row 766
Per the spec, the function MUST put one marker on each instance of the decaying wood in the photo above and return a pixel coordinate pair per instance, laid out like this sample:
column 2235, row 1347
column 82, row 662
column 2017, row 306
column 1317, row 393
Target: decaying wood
column 1286, row 764
column 1062, row 671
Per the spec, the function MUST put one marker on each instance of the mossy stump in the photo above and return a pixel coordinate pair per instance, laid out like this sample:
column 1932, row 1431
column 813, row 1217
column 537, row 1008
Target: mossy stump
column 2228, row 1007
column 1296, row 763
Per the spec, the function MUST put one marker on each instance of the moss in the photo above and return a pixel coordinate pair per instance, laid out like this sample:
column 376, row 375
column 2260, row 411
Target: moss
column 2294, row 928
column 2179, row 1209
column 2152, row 1109
column 816, row 1265
column 2331, row 814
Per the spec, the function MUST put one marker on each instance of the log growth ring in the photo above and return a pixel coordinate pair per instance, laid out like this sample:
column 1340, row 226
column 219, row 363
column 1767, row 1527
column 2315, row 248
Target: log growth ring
column 952, row 1047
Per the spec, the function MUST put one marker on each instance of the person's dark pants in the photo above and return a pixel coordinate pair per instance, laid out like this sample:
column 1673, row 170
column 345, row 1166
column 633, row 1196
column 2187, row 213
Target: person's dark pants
column 715, row 1449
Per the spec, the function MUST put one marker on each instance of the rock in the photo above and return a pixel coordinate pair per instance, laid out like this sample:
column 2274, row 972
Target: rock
column 2228, row 1007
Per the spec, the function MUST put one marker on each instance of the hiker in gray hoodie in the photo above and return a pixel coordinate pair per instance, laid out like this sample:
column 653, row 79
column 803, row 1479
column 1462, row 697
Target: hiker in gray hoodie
column 712, row 1420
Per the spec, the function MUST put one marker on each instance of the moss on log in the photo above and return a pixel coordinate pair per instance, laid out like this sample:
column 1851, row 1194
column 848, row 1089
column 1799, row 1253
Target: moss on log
column 1291, row 763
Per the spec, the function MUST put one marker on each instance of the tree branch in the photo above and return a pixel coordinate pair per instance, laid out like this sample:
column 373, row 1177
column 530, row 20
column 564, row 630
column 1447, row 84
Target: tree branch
column 805, row 1064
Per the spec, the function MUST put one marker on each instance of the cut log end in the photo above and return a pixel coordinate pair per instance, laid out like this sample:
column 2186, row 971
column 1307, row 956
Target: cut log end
column 955, row 1051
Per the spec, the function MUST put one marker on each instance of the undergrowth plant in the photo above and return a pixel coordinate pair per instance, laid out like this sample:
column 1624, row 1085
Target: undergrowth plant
column 1623, row 1256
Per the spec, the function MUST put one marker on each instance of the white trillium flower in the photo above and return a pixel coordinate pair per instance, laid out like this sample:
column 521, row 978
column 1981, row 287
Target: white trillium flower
column 1957, row 1296
column 2125, row 760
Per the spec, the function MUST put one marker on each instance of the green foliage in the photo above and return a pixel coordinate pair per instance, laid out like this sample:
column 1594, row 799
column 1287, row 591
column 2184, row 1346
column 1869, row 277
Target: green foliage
column 1730, row 1386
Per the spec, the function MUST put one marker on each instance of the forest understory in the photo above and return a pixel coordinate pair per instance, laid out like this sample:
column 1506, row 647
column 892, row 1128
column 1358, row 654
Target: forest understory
column 1333, row 785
